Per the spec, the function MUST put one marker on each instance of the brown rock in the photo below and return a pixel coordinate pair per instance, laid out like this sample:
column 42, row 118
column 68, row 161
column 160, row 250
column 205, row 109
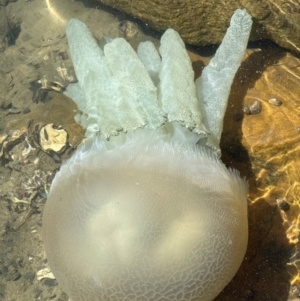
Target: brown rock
column 194, row 20
column 281, row 19
column 205, row 22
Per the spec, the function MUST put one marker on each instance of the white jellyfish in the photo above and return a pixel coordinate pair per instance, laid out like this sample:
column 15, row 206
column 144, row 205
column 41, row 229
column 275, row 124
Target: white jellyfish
column 145, row 210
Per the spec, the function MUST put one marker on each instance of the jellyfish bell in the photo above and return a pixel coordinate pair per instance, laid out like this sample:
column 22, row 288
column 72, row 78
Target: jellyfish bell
column 145, row 209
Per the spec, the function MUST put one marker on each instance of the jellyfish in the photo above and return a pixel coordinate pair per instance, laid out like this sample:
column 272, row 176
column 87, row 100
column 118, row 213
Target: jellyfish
column 145, row 210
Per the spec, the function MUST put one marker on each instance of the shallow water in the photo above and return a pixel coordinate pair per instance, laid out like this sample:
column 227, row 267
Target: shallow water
column 264, row 147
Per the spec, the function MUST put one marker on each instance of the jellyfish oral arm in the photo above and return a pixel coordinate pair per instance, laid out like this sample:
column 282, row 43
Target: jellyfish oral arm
column 213, row 86
column 123, row 90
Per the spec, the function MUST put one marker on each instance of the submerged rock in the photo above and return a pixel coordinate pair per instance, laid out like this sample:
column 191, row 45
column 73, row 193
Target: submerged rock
column 205, row 22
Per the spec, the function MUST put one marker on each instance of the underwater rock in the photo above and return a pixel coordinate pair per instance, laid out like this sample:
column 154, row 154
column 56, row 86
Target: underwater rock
column 204, row 22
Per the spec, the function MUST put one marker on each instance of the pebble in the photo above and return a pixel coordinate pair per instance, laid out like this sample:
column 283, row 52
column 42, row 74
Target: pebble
column 29, row 276
column 283, row 204
column 49, row 282
column 5, row 103
column 275, row 101
column 26, row 111
column 237, row 116
column 13, row 111
column 12, row 274
column 254, row 108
